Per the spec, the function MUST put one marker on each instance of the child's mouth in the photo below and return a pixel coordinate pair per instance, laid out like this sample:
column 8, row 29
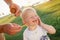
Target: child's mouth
column 34, row 21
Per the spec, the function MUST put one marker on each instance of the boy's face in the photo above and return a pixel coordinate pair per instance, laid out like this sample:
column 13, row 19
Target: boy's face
column 30, row 18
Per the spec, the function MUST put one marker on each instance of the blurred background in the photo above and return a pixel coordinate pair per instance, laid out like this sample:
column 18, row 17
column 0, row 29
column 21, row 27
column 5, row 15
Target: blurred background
column 49, row 12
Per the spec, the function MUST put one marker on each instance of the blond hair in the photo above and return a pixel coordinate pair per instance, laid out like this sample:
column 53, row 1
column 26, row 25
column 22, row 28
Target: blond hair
column 30, row 8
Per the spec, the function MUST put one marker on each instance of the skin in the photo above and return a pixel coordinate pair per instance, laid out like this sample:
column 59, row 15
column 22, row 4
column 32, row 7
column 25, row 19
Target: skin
column 15, row 9
column 2, row 36
column 31, row 20
column 10, row 29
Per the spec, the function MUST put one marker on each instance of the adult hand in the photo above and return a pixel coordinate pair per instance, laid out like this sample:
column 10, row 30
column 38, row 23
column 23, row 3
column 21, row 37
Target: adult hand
column 15, row 9
column 11, row 28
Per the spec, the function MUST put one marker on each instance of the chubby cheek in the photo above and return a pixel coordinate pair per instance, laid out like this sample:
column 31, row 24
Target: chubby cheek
column 32, row 22
column 28, row 22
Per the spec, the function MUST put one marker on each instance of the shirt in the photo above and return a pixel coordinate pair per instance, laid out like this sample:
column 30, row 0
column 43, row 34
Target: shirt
column 38, row 34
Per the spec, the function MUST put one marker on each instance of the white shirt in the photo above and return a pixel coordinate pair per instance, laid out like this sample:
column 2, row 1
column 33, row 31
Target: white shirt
column 4, row 9
column 38, row 34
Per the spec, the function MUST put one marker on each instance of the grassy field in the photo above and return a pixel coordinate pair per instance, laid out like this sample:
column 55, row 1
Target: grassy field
column 49, row 13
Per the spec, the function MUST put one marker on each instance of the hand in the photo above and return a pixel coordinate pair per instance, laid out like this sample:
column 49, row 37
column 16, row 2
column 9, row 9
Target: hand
column 15, row 9
column 39, row 21
column 11, row 28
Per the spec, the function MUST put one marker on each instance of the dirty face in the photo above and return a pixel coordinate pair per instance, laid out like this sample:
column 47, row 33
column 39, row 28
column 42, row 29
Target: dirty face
column 30, row 18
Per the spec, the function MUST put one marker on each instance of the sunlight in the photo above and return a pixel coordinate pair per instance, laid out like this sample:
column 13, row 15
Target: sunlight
column 4, row 9
column 24, row 3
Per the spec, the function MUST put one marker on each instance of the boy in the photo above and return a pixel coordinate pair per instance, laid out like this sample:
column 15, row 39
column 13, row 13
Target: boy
column 36, row 29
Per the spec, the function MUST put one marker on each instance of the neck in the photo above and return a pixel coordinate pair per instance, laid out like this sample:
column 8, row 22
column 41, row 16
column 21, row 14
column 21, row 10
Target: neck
column 31, row 28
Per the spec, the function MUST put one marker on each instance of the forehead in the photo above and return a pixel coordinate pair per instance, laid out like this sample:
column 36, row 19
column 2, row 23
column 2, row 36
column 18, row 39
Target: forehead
column 28, row 13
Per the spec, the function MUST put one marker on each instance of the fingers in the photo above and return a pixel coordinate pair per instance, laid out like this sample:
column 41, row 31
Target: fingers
column 12, row 8
column 15, row 9
column 13, row 32
column 38, row 20
column 18, row 12
column 12, row 28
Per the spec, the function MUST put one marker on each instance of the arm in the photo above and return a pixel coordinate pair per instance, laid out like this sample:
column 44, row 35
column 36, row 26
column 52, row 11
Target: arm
column 8, row 1
column 49, row 28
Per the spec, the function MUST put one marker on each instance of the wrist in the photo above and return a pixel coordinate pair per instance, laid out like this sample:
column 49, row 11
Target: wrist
column 10, row 3
column 42, row 24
